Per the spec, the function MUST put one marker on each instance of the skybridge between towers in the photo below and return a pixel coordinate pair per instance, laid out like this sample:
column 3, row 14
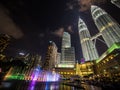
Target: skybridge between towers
column 97, row 37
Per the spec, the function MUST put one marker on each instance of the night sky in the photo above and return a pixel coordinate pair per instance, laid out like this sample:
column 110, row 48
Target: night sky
column 32, row 23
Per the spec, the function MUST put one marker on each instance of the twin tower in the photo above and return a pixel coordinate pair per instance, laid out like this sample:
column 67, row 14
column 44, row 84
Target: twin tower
column 108, row 28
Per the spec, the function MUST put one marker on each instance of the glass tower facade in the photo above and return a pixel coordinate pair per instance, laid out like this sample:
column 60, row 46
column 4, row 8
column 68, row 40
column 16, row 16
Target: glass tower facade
column 68, row 52
column 107, row 26
column 66, row 40
column 116, row 2
column 68, row 55
column 88, row 48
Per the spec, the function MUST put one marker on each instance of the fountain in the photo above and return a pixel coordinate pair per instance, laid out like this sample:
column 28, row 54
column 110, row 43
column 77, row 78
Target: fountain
column 34, row 74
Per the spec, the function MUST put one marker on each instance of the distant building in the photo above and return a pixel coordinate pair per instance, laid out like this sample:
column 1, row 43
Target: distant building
column 107, row 26
column 88, row 48
column 116, row 2
column 58, row 58
column 51, row 56
column 68, row 55
column 37, row 60
column 4, row 41
column 67, row 52
column 66, row 40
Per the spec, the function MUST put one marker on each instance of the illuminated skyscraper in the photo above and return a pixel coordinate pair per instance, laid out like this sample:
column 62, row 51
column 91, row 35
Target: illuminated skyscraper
column 108, row 27
column 116, row 2
column 67, row 52
column 58, row 58
column 88, row 48
column 51, row 56
column 66, row 40
column 68, row 55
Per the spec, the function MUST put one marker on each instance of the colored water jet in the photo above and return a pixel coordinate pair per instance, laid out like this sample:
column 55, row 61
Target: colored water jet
column 33, row 74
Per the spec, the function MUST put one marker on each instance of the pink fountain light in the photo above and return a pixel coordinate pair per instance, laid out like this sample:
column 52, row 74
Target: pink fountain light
column 43, row 76
column 34, row 74
column 39, row 75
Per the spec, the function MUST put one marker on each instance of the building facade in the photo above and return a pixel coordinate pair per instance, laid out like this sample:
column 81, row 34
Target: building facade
column 85, row 69
column 109, row 62
column 66, row 59
column 66, row 40
column 107, row 26
column 51, row 56
column 67, row 52
column 68, row 55
column 4, row 41
column 88, row 48
column 58, row 58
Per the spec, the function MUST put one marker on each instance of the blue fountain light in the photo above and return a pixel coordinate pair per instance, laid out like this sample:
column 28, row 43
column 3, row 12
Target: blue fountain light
column 39, row 75
column 44, row 76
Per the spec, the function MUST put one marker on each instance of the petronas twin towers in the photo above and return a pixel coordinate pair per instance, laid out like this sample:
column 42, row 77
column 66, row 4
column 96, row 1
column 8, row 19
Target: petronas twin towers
column 108, row 28
column 88, row 48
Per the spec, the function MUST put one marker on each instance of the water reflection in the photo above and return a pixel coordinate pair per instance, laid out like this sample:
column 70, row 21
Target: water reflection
column 91, row 87
column 23, row 85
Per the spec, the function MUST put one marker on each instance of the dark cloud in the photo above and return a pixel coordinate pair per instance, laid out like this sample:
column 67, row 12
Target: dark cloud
column 83, row 5
column 59, row 32
column 41, row 35
column 69, row 29
column 7, row 25
column 86, row 4
column 98, row 1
